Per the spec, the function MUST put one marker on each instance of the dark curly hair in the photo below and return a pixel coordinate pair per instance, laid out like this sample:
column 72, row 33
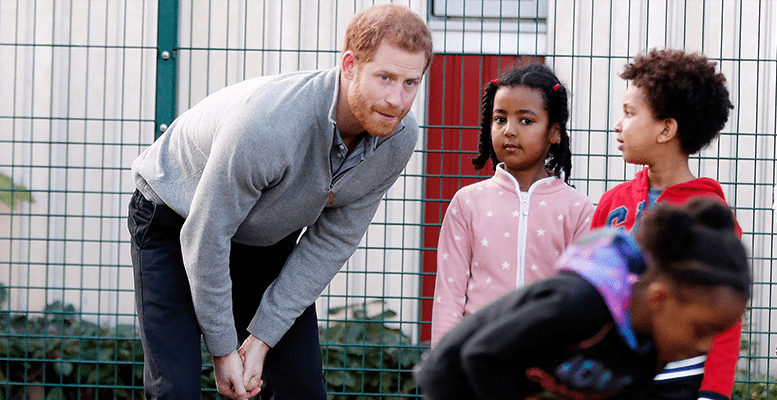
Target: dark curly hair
column 696, row 245
column 535, row 76
column 685, row 87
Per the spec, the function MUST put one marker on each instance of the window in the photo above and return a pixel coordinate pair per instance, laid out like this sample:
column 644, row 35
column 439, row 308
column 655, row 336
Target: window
column 518, row 9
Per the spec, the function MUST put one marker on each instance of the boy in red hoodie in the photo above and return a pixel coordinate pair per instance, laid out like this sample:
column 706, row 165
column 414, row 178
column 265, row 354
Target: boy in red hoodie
column 676, row 105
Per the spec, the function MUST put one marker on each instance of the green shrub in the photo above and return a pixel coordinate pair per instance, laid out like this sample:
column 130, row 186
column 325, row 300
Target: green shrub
column 364, row 358
column 67, row 357
column 749, row 386
column 57, row 355
column 756, row 388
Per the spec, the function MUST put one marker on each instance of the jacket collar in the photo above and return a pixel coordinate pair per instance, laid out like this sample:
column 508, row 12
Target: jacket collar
column 544, row 185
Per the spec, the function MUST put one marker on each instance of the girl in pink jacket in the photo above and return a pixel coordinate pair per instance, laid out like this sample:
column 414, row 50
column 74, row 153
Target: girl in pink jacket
column 505, row 232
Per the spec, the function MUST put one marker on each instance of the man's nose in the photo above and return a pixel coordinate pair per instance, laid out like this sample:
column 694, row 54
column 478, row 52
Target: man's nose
column 394, row 97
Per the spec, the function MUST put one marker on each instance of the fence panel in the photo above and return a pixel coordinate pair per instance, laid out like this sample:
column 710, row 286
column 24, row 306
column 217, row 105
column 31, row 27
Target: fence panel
column 87, row 85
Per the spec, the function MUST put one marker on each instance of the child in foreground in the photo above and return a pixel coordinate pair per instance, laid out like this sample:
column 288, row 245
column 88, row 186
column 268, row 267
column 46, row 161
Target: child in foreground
column 618, row 310
column 507, row 231
column 675, row 105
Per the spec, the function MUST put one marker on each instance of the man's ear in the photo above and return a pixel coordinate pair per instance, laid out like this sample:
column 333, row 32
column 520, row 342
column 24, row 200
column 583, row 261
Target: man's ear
column 668, row 131
column 348, row 65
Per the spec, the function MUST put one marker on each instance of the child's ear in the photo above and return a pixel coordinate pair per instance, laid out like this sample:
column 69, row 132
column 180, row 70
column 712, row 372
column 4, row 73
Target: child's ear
column 668, row 131
column 555, row 133
column 657, row 294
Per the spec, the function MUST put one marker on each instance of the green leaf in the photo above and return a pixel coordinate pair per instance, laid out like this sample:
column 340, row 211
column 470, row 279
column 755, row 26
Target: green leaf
column 3, row 294
column 10, row 193
column 125, row 331
column 55, row 394
column 63, row 368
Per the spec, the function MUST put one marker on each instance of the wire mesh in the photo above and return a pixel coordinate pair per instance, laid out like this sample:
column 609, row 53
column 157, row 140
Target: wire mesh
column 86, row 87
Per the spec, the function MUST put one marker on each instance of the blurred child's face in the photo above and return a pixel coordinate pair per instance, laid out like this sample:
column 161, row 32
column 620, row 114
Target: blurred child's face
column 637, row 128
column 519, row 131
column 684, row 329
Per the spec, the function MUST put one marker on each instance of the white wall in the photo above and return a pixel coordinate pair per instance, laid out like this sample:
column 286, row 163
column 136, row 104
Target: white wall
column 77, row 105
column 69, row 83
column 75, row 108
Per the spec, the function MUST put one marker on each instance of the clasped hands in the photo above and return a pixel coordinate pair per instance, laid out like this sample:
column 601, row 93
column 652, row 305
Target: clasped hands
column 239, row 373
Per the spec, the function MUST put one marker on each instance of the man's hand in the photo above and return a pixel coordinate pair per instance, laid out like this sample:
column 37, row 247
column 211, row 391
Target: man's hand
column 229, row 376
column 253, row 352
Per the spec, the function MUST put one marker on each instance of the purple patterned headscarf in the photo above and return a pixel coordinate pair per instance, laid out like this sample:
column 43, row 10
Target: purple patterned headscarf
column 610, row 260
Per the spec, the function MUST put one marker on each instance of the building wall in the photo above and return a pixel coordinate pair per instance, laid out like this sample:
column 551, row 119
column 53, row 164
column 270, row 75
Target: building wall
column 77, row 101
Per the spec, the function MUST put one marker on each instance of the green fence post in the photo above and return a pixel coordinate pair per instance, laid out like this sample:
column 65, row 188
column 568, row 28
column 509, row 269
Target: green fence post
column 166, row 65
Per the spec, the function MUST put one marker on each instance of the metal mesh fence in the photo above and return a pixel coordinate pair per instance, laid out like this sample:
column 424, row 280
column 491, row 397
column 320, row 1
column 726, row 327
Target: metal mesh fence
column 87, row 85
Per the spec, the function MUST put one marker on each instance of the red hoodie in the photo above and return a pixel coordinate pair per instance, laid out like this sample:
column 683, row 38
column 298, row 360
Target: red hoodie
column 623, row 206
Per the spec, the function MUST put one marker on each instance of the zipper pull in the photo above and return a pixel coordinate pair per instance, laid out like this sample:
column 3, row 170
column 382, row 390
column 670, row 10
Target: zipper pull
column 525, row 203
column 331, row 197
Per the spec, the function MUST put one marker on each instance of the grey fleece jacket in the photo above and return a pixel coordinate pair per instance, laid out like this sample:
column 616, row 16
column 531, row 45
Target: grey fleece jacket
column 251, row 164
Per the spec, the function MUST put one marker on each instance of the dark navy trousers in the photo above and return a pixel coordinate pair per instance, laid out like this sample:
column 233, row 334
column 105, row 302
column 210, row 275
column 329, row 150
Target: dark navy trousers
column 168, row 325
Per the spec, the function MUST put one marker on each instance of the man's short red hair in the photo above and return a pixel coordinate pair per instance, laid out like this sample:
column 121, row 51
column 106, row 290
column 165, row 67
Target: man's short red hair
column 395, row 23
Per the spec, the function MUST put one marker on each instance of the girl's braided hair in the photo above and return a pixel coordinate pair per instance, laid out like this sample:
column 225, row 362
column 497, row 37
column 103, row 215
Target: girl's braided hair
column 535, row 76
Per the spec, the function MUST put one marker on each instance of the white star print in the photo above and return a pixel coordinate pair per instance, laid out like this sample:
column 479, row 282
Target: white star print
column 463, row 299
column 484, row 242
column 588, row 219
column 439, row 299
column 450, row 280
column 560, row 217
column 454, row 211
column 457, row 238
column 475, row 264
column 507, row 235
column 541, row 232
column 471, row 286
column 516, row 213
column 501, row 192
column 467, row 201
column 505, row 265
column 488, row 280
column 480, row 188
column 577, row 204
column 534, row 267
column 543, row 203
column 489, row 214
column 445, row 256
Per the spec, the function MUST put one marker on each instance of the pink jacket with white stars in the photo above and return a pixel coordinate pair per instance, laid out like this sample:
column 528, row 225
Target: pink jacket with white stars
column 495, row 238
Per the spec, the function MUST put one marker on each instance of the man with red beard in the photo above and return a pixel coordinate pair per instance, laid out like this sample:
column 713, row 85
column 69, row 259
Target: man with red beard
column 225, row 193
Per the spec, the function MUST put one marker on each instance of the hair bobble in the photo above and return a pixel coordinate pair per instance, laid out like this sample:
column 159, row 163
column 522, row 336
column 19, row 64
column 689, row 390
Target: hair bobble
column 495, row 81
column 556, row 86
